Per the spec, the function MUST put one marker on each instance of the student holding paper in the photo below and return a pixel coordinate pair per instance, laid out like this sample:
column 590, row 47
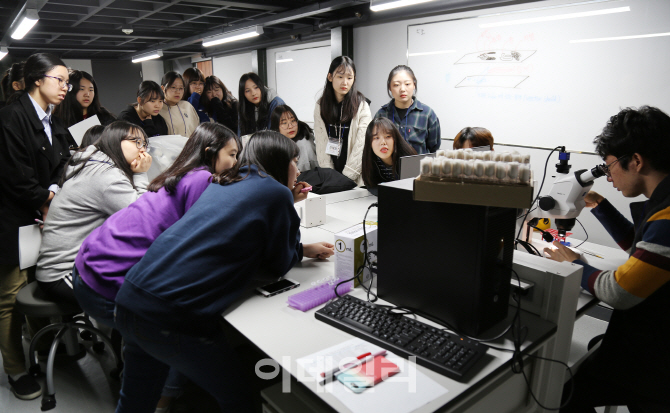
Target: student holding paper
column 34, row 148
column 82, row 101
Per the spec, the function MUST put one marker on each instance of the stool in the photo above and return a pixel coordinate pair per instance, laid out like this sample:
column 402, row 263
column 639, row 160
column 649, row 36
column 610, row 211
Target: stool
column 65, row 318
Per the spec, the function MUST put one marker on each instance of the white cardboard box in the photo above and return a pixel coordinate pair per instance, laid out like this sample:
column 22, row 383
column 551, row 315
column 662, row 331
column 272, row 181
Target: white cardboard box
column 312, row 211
column 349, row 250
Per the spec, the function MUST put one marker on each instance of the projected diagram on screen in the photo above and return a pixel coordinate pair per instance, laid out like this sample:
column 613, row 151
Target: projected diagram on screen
column 494, row 56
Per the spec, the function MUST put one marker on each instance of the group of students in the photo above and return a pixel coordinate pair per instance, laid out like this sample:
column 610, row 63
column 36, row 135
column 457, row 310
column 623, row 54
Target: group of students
column 159, row 261
column 340, row 140
column 166, row 257
column 102, row 215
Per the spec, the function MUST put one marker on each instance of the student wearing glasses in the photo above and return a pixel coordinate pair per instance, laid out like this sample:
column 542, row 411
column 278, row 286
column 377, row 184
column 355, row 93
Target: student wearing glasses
column 285, row 121
column 194, row 83
column 34, row 148
column 99, row 181
column 632, row 363
column 180, row 116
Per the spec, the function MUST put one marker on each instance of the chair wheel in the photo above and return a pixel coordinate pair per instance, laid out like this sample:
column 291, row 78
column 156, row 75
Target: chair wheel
column 99, row 347
column 86, row 335
column 48, row 402
column 35, row 371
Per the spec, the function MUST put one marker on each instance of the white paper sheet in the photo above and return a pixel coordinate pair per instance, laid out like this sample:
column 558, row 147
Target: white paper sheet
column 404, row 392
column 79, row 129
column 30, row 239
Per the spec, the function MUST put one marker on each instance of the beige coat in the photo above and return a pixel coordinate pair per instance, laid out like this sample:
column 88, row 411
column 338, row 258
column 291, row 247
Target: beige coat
column 181, row 119
column 359, row 124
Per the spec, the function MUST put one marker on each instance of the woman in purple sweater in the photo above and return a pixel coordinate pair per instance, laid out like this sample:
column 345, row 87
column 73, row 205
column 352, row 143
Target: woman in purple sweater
column 113, row 248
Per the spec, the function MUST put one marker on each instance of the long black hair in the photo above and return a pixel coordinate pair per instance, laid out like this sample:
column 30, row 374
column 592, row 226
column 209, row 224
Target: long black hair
column 13, row 74
column 369, row 169
column 201, row 149
column 109, row 144
column 304, row 131
column 246, row 109
column 36, row 68
column 329, row 111
column 70, row 110
column 270, row 151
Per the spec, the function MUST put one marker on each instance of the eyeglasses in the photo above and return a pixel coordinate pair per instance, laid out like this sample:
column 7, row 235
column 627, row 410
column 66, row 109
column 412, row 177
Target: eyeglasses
column 140, row 143
column 291, row 122
column 61, row 82
column 174, row 89
column 606, row 168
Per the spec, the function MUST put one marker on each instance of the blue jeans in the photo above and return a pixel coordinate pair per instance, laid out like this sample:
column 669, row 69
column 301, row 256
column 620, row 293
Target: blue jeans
column 92, row 303
column 151, row 350
column 102, row 310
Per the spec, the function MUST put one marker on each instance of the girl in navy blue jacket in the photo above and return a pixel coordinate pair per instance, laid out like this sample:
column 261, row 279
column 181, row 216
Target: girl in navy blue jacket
column 170, row 305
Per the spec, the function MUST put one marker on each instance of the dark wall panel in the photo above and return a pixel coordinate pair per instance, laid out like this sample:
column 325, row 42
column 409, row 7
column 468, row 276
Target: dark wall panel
column 117, row 83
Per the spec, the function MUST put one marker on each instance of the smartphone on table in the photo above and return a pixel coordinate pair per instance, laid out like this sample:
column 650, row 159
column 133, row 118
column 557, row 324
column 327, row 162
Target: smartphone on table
column 277, row 287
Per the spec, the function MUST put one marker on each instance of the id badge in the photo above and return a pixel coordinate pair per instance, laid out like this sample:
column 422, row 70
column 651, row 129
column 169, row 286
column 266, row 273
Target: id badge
column 334, row 147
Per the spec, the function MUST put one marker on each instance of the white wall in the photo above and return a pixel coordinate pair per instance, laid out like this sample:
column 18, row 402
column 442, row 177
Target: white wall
column 300, row 83
column 378, row 48
column 152, row 70
column 230, row 68
column 80, row 64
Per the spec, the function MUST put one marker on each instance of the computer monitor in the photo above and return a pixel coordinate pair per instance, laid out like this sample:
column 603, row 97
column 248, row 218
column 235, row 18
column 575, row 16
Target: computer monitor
column 452, row 262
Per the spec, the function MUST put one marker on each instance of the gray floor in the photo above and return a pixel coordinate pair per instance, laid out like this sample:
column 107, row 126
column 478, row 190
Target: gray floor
column 81, row 385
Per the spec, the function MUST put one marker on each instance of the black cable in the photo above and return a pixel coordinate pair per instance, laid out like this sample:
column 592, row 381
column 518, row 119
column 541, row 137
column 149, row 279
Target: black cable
column 529, row 247
column 586, row 233
column 519, row 332
column 366, row 260
column 572, row 384
column 539, row 190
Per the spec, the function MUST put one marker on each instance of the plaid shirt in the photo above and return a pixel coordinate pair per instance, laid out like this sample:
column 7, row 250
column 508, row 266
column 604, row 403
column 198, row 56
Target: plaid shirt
column 420, row 127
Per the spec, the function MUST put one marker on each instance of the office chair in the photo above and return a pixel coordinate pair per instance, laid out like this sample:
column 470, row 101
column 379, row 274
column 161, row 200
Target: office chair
column 67, row 320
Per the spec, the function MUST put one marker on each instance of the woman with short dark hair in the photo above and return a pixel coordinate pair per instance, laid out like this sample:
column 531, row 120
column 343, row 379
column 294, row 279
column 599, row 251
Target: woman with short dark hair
column 145, row 112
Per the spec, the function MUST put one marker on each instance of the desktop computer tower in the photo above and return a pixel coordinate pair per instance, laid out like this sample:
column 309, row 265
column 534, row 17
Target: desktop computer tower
column 451, row 262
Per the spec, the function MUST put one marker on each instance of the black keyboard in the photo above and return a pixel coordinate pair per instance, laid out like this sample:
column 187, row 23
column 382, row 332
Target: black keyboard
column 438, row 350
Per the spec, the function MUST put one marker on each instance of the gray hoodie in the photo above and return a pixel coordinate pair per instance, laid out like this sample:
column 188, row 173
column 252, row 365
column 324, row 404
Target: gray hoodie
column 82, row 205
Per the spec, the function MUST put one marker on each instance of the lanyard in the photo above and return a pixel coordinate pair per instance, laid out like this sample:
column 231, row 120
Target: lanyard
column 339, row 132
